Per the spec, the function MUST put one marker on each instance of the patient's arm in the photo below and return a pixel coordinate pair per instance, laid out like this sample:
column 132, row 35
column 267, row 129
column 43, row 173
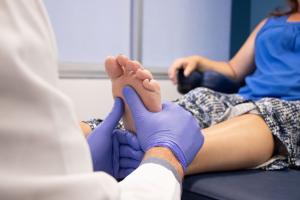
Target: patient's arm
column 237, row 68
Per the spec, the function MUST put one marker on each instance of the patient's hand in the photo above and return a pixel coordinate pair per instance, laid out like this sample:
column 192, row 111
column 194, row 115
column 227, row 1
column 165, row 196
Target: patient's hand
column 188, row 64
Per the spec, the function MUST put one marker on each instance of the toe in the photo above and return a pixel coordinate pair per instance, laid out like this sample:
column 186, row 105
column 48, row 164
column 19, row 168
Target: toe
column 122, row 60
column 143, row 74
column 112, row 67
column 133, row 65
column 151, row 85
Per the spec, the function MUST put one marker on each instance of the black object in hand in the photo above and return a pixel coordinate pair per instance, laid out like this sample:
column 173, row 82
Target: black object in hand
column 209, row 79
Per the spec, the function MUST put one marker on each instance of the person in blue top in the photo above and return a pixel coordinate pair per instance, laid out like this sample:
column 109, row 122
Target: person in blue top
column 269, row 63
column 259, row 127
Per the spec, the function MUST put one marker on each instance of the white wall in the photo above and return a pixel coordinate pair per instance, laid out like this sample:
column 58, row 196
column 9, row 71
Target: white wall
column 178, row 28
column 92, row 97
column 89, row 30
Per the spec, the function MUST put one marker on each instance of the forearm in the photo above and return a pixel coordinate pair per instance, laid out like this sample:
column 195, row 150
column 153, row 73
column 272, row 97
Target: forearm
column 222, row 67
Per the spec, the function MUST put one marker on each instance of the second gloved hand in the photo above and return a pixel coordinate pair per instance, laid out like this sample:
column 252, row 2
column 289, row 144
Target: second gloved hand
column 127, row 153
column 173, row 127
column 100, row 140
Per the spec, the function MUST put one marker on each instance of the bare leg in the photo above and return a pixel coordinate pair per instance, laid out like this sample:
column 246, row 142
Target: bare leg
column 238, row 143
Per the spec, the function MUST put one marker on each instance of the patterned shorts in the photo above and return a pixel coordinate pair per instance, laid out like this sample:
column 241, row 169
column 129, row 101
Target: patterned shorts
column 282, row 117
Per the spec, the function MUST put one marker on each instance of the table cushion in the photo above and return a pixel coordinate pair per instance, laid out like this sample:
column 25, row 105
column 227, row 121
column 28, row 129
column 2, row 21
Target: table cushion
column 244, row 185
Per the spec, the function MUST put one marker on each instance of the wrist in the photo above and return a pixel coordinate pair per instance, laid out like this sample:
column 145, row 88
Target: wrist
column 167, row 155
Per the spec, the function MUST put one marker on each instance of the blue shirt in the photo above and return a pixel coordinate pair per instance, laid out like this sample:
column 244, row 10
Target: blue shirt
column 277, row 60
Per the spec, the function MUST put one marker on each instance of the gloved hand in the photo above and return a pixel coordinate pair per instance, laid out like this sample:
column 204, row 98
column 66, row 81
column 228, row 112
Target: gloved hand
column 173, row 127
column 127, row 153
column 100, row 140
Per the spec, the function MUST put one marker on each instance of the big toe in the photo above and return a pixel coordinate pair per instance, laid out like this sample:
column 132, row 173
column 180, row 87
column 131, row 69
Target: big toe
column 122, row 60
column 113, row 68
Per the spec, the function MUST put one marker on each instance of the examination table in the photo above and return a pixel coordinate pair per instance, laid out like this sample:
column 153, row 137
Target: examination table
column 243, row 185
column 236, row 185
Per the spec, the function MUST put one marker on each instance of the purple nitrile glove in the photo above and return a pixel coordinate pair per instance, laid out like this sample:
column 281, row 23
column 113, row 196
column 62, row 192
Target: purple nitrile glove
column 100, row 140
column 127, row 153
column 173, row 127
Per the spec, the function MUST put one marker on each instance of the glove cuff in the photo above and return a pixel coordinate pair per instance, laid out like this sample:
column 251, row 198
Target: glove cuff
column 175, row 150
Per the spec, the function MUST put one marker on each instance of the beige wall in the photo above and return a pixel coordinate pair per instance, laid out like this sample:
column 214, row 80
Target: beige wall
column 92, row 97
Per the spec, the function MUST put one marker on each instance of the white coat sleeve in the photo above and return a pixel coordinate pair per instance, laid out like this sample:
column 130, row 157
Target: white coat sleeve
column 152, row 181
column 43, row 154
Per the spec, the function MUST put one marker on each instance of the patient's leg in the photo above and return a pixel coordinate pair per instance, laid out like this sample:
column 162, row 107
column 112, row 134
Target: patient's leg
column 238, row 143
column 123, row 71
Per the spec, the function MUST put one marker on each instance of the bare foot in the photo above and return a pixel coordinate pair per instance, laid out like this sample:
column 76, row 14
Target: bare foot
column 123, row 71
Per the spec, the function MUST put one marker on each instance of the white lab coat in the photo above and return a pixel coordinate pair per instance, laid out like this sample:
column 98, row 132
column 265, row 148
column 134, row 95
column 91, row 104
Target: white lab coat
column 43, row 154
